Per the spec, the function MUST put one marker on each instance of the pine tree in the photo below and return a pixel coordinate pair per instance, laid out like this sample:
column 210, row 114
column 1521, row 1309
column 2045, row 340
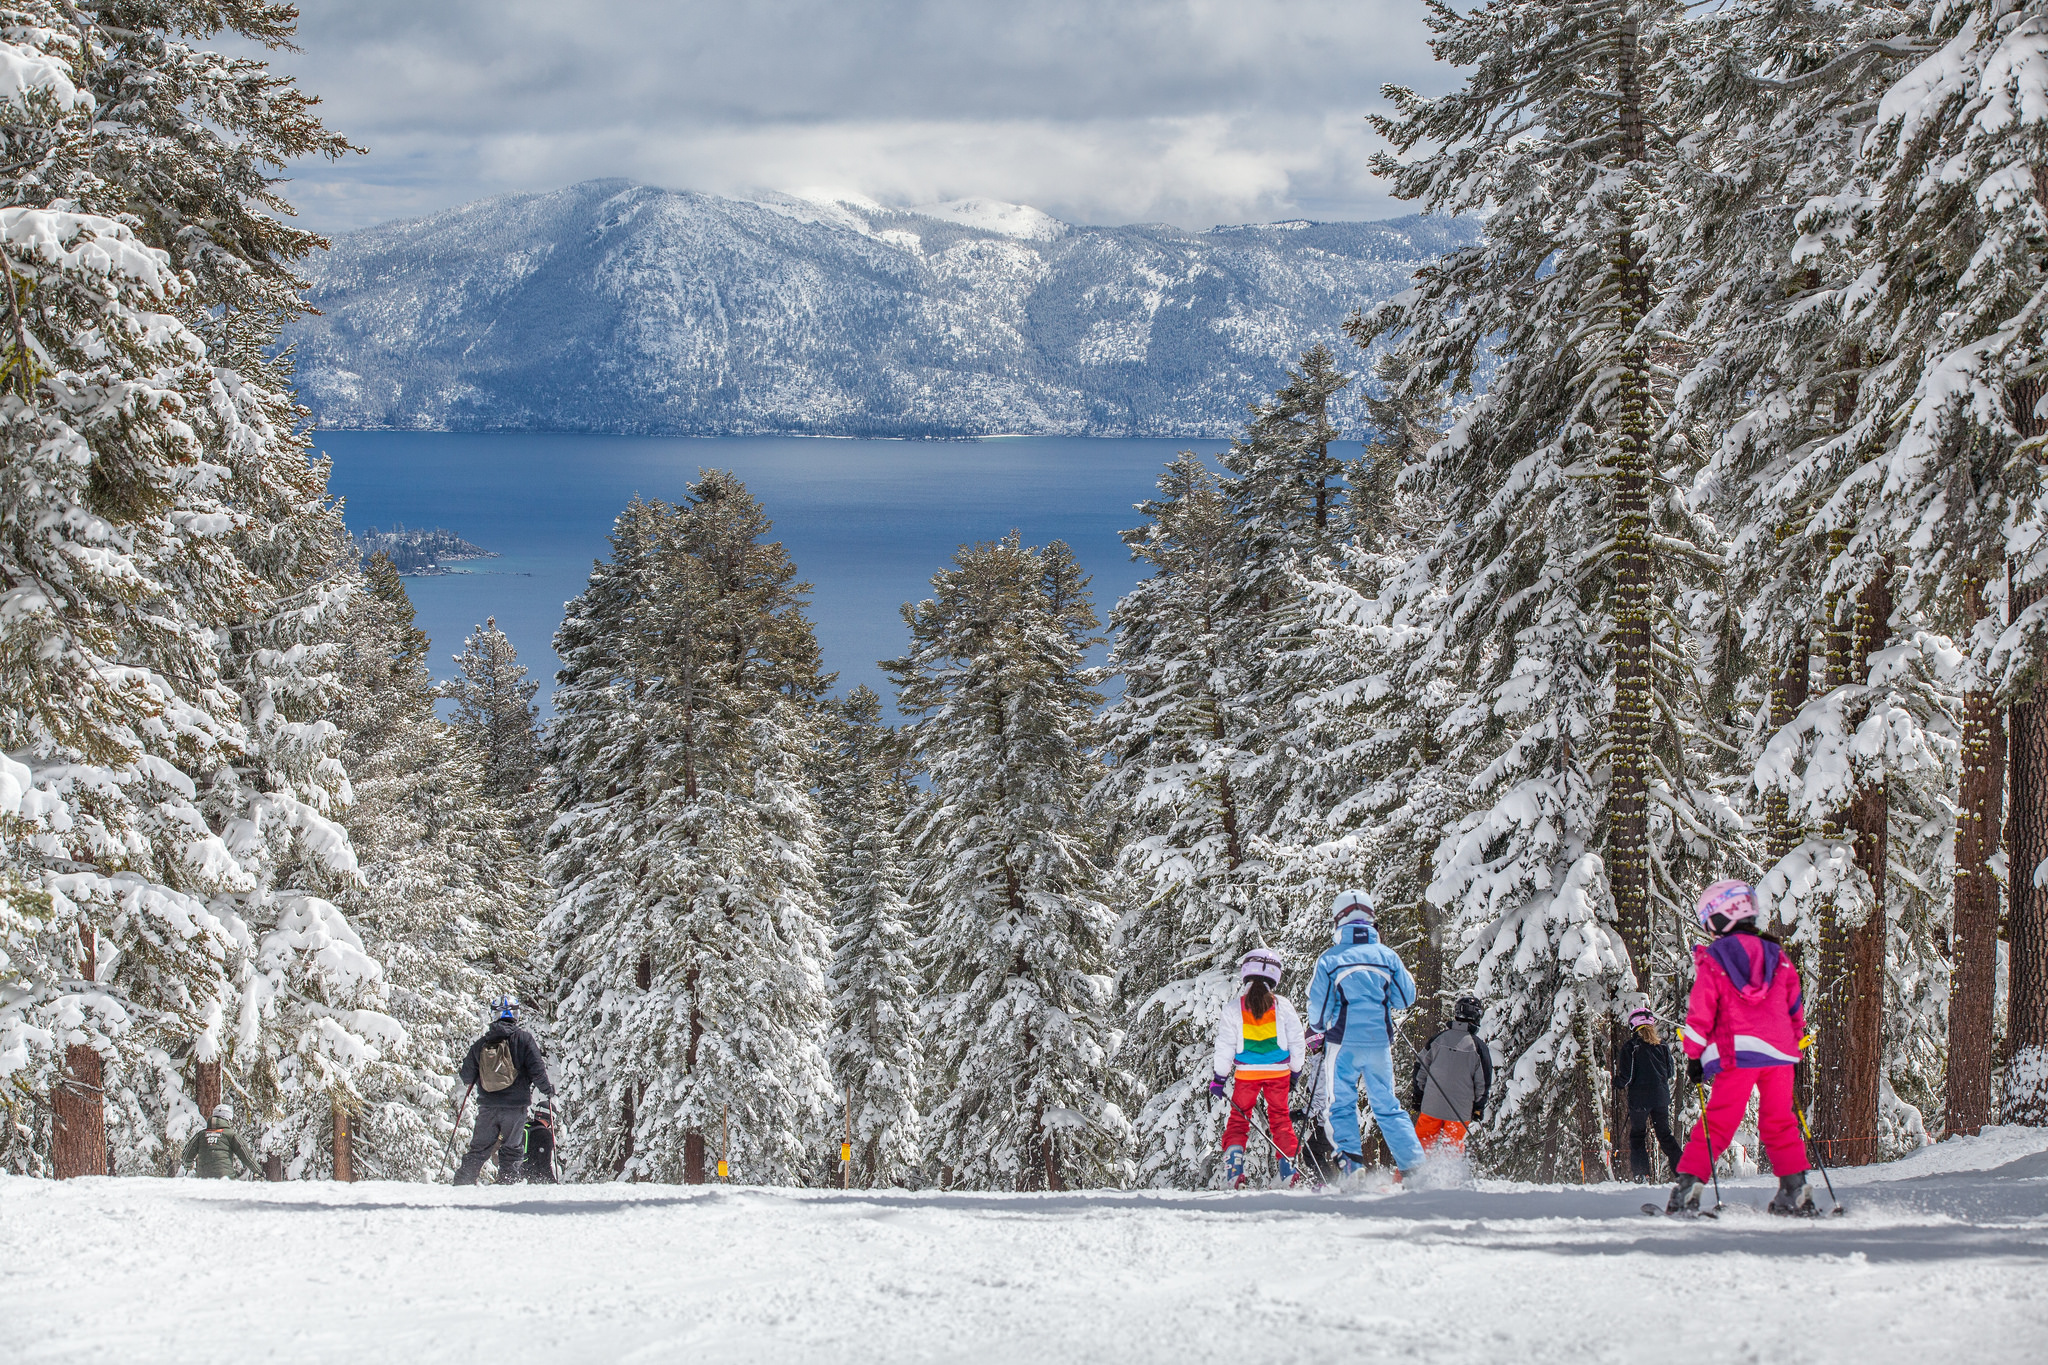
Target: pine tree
column 1006, row 863
column 877, row 984
column 1190, row 852
column 689, row 932
column 1571, row 608
column 449, row 897
column 174, row 558
column 494, row 709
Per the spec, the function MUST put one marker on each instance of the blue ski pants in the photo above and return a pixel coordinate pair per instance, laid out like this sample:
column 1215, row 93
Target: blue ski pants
column 1346, row 1065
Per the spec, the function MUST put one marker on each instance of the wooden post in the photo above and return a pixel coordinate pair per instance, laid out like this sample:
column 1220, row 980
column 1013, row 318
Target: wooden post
column 724, row 1141
column 78, row 1116
column 344, row 1146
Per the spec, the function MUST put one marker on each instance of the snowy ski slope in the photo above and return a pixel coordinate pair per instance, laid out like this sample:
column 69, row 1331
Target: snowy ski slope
column 1944, row 1256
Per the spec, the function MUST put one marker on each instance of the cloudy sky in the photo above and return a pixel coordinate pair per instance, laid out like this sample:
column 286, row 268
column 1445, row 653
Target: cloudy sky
column 1193, row 112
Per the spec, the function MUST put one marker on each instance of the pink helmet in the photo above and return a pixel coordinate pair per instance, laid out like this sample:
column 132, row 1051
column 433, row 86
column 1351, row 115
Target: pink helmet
column 1639, row 1016
column 1726, row 904
column 1259, row 962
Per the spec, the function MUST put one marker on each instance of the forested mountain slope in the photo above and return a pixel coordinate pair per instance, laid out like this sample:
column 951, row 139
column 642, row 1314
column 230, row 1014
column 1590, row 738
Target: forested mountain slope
column 609, row 306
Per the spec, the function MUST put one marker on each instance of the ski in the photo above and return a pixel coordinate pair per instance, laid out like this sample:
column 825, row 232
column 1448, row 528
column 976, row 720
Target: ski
column 1660, row 1211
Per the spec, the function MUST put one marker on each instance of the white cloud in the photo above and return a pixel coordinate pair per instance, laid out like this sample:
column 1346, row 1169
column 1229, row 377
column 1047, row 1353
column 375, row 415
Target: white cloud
column 1185, row 111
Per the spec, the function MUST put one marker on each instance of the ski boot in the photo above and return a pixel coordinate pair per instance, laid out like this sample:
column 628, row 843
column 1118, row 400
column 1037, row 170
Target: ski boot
column 1793, row 1199
column 1288, row 1175
column 1233, row 1168
column 1685, row 1195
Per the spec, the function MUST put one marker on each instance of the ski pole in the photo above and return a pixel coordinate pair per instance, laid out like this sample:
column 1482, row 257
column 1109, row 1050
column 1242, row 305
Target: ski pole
column 1707, row 1132
column 448, row 1153
column 1814, row 1147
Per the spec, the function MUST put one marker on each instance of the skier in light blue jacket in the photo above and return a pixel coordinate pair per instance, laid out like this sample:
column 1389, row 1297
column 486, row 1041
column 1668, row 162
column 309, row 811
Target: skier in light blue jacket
column 1359, row 982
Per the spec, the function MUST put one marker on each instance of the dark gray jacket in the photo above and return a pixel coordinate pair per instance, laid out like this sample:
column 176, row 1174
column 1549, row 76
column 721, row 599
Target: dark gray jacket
column 1453, row 1075
column 530, row 1066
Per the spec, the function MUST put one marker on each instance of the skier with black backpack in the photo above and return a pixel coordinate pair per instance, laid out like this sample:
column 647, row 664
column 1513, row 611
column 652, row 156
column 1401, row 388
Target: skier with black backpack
column 505, row 1065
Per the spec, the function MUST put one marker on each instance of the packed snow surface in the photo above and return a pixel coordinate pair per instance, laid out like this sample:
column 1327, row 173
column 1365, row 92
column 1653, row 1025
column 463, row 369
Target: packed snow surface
column 1941, row 1257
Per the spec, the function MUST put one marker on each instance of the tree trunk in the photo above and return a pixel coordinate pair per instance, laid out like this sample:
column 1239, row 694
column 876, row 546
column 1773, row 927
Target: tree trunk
column 78, row 1136
column 693, row 1158
column 1828, row 994
column 273, row 1168
column 1973, row 981
column 1789, row 691
column 2026, row 836
column 206, row 1083
column 344, row 1145
column 1628, row 795
column 1869, row 821
column 78, row 1116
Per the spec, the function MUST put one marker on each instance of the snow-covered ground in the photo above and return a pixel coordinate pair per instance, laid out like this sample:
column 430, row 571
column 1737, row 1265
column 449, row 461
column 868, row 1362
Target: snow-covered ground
column 1943, row 1256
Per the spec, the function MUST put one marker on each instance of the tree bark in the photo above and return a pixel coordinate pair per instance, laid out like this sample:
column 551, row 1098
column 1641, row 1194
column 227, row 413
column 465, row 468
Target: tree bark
column 1973, row 980
column 206, row 1083
column 2026, row 836
column 78, row 1116
column 1869, row 825
column 1789, row 691
column 1828, row 996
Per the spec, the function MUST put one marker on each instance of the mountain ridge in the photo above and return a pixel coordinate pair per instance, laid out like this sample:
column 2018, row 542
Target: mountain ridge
column 610, row 306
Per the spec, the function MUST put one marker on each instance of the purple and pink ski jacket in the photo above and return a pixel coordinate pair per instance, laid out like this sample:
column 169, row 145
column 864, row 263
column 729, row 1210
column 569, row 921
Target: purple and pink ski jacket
column 1746, row 1008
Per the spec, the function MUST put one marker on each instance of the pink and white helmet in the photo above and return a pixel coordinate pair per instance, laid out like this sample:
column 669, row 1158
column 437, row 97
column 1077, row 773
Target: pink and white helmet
column 1262, row 963
column 1726, row 904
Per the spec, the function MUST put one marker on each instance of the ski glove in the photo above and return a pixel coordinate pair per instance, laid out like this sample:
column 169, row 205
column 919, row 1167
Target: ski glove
column 1694, row 1072
column 1312, row 1043
column 1216, row 1084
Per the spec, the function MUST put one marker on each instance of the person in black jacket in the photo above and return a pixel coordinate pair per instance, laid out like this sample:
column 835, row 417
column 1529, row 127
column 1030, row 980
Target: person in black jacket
column 1642, row 1071
column 503, row 1067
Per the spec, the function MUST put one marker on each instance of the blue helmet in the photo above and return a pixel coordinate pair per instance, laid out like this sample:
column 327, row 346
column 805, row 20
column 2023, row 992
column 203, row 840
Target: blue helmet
column 506, row 1007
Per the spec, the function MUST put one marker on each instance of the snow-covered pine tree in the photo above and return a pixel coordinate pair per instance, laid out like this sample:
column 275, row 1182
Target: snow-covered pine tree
column 1189, row 849
column 1005, row 861
column 1294, row 511
column 449, row 897
column 877, row 982
column 1781, row 93
column 689, row 932
column 1572, row 587
column 1945, row 223
column 164, row 694
column 494, row 709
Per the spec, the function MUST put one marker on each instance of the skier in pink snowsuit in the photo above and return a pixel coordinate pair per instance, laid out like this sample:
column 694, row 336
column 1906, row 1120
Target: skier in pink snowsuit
column 1743, row 1027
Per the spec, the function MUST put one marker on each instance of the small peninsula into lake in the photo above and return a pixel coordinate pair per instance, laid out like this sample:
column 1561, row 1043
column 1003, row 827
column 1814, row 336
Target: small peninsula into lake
column 417, row 553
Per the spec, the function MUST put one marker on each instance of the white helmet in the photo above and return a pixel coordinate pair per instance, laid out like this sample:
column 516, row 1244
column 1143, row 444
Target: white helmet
column 224, row 1111
column 1263, row 963
column 1351, row 905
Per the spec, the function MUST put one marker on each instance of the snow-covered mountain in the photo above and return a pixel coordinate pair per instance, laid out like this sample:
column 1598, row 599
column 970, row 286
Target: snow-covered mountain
column 610, row 306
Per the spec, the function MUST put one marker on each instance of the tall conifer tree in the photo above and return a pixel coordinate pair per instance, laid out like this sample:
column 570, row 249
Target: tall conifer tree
column 1006, row 864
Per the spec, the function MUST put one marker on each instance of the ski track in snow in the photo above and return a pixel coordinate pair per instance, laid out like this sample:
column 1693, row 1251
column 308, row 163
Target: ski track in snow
column 1944, row 1255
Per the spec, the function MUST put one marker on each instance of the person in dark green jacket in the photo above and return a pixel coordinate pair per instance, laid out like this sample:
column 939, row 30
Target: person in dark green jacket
column 214, row 1149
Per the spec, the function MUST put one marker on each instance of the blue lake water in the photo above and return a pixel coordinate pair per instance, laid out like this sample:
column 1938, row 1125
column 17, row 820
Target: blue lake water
column 867, row 522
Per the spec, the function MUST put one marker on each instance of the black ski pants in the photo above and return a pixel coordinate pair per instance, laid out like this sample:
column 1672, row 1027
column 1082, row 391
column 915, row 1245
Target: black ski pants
column 498, row 1129
column 1639, row 1121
